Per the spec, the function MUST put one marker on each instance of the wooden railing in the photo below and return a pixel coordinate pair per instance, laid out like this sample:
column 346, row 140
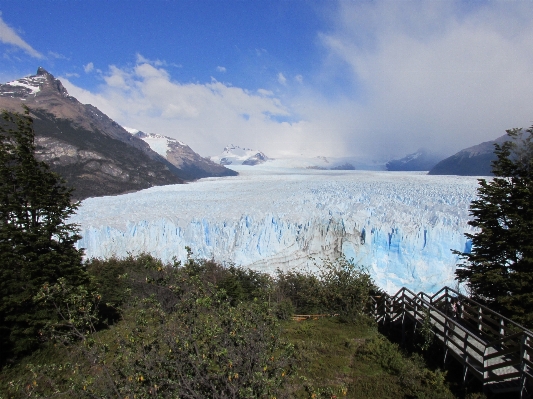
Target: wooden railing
column 491, row 348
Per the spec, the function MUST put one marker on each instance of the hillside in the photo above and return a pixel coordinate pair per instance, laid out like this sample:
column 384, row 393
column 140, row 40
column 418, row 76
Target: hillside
column 472, row 161
column 92, row 152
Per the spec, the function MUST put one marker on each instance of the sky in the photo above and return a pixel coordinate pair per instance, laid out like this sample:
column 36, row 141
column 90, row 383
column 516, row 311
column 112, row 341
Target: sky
column 375, row 80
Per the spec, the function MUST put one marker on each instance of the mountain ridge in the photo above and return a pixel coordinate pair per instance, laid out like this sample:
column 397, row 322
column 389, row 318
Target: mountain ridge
column 91, row 151
column 192, row 165
column 472, row 161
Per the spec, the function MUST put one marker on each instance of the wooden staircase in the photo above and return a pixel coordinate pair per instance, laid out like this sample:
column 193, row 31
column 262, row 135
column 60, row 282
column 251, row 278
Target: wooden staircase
column 490, row 347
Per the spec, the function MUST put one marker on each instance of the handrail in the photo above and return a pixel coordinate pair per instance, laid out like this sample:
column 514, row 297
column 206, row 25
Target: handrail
column 462, row 296
column 488, row 359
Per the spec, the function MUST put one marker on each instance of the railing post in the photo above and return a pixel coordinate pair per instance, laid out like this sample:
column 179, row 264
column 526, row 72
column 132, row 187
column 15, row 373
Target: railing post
column 465, row 357
column 485, row 372
column 386, row 304
column 447, row 301
column 524, row 341
column 415, row 314
column 403, row 318
column 502, row 327
column 480, row 319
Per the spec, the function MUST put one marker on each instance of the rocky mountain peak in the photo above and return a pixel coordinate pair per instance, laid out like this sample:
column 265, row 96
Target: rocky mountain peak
column 34, row 85
column 43, row 72
column 54, row 84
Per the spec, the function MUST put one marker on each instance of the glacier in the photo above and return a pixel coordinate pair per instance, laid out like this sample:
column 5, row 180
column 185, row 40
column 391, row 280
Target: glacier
column 401, row 226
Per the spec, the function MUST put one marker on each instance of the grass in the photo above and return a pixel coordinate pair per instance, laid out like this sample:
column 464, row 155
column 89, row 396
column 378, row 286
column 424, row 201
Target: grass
column 346, row 360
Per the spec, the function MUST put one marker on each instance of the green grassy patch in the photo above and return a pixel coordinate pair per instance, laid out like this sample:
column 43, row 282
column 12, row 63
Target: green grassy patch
column 352, row 360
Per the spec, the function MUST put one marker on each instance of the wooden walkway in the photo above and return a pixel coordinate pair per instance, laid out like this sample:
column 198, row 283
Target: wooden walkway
column 490, row 347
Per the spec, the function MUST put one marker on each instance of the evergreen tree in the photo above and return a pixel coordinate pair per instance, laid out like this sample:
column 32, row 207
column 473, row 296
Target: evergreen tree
column 499, row 268
column 36, row 243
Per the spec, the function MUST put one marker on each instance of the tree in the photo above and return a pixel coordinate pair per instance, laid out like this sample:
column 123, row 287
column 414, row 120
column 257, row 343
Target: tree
column 36, row 242
column 499, row 268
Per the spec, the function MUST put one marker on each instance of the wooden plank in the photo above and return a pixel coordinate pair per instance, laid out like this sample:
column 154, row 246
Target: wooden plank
column 488, row 327
column 489, row 319
column 500, row 341
column 501, row 353
column 497, row 377
column 474, row 308
column 509, row 363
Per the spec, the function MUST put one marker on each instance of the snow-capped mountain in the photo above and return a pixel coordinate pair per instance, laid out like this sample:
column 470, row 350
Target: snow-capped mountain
column 235, row 155
column 402, row 226
column 190, row 165
column 418, row 161
column 91, row 151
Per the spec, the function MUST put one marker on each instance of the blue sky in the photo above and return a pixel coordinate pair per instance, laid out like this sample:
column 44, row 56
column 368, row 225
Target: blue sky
column 376, row 79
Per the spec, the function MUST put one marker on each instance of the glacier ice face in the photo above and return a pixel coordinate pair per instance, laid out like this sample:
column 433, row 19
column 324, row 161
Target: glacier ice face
column 402, row 226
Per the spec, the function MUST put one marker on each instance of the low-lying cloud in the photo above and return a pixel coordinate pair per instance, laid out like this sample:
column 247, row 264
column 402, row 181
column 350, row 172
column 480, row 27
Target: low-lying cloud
column 206, row 116
column 438, row 74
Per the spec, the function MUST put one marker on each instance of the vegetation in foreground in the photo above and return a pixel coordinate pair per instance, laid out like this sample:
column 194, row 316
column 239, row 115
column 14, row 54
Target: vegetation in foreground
column 145, row 329
column 137, row 328
column 498, row 270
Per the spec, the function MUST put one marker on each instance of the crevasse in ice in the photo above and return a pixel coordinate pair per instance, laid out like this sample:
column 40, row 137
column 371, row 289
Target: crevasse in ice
column 401, row 226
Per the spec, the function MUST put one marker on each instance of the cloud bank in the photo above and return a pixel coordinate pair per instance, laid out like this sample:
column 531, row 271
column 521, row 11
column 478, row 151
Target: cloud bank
column 393, row 77
column 444, row 75
column 206, row 116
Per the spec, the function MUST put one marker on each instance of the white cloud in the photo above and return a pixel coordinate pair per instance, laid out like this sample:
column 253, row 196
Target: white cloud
column 9, row 36
column 206, row 116
column 89, row 67
column 157, row 62
column 264, row 92
column 57, row 56
column 299, row 78
column 221, row 69
column 434, row 74
column 282, row 79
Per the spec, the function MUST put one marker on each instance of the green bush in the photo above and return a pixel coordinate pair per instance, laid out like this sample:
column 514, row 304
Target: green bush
column 179, row 335
column 338, row 287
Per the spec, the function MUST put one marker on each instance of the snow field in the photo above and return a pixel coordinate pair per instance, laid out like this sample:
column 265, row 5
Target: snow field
column 400, row 225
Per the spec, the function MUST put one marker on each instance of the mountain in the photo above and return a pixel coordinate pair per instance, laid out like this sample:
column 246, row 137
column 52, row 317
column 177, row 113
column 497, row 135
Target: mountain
column 472, row 161
column 189, row 164
column 417, row 161
column 92, row 152
column 235, row 155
